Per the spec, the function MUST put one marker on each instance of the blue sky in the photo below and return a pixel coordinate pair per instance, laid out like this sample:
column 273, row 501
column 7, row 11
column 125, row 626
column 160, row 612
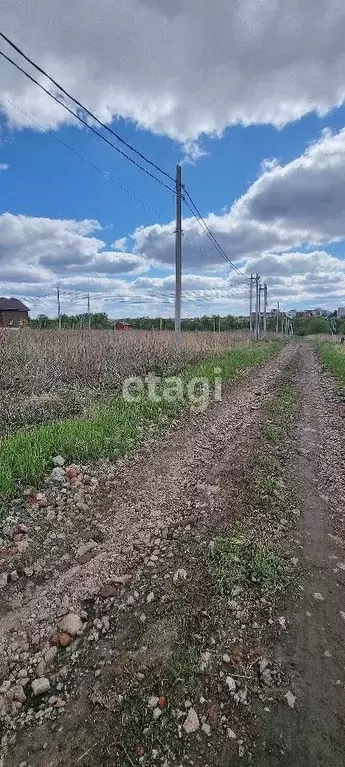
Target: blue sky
column 259, row 132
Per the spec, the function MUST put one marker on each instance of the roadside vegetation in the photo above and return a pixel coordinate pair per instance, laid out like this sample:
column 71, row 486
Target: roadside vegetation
column 237, row 561
column 334, row 358
column 113, row 428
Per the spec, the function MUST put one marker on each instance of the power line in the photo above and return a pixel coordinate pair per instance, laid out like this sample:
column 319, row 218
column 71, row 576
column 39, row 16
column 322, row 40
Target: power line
column 104, row 173
column 64, row 143
column 84, row 122
column 87, row 111
column 200, row 219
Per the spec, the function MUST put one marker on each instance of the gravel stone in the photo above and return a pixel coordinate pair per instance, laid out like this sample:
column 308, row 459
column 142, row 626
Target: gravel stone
column 191, row 723
column 58, row 460
column 71, row 624
column 40, row 686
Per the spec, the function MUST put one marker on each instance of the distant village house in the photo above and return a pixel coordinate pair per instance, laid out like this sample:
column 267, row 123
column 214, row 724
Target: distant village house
column 13, row 313
column 123, row 325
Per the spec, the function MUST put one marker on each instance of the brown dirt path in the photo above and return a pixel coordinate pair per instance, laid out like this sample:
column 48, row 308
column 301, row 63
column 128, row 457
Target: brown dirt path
column 313, row 734
column 192, row 479
column 161, row 485
column 193, row 482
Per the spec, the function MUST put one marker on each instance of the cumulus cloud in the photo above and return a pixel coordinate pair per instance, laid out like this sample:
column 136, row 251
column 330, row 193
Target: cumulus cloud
column 51, row 247
column 299, row 204
column 3, row 166
column 183, row 68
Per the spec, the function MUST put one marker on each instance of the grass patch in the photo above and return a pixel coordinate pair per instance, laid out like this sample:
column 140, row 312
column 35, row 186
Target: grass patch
column 184, row 665
column 333, row 357
column 269, row 487
column 279, row 413
column 238, row 561
column 112, row 429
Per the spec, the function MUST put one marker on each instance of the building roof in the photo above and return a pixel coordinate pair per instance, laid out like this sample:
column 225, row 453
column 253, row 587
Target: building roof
column 12, row 305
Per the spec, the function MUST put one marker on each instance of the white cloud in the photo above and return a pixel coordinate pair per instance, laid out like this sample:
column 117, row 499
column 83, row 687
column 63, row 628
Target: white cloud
column 183, row 68
column 4, row 166
column 299, row 204
column 55, row 246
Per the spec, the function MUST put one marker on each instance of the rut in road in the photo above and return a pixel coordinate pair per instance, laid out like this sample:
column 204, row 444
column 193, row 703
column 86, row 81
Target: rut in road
column 313, row 734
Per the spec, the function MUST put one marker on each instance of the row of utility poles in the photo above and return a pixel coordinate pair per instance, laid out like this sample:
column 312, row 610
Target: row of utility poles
column 59, row 310
column 258, row 329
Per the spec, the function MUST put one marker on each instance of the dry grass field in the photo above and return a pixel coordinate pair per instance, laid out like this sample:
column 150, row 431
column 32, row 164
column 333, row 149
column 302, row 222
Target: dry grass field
column 45, row 375
column 34, row 362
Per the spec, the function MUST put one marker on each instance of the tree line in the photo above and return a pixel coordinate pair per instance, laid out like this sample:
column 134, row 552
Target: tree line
column 100, row 320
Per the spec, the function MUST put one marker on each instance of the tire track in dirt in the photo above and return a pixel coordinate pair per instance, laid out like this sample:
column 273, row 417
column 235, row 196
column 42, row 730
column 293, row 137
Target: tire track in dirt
column 313, row 650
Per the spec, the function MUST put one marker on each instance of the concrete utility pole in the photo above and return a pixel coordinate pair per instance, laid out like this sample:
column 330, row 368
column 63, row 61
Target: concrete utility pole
column 178, row 259
column 88, row 311
column 160, row 323
column 261, row 290
column 265, row 309
column 58, row 307
column 277, row 326
column 218, row 323
column 257, row 309
column 251, row 306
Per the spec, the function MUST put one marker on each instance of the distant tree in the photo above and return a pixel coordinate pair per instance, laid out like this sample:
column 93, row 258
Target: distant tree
column 313, row 326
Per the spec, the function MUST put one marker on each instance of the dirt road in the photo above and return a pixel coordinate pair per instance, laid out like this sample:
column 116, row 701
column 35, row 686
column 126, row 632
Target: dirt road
column 166, row 668
column 313, row 649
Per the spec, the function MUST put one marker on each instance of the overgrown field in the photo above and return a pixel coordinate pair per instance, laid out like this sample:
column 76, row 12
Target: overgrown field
column 47, row 375
column 115, row 426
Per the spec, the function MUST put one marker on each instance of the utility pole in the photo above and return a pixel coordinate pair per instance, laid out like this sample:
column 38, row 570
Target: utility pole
column 160, row 323
column 260, row 292
column 277, row 326
column 178, row 260
column 218, row 323
column 58, row 307
column 265, row 309
column 251, row 306
column 88, row 310
column 257, row 329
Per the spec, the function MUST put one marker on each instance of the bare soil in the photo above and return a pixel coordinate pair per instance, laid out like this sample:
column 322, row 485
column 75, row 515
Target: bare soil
column 158, row 638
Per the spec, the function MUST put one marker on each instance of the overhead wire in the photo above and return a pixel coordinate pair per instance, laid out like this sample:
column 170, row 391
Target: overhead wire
column 106, row 174
column 186, row 196
column 200, row 219
column 84, row 122
column 84, row 108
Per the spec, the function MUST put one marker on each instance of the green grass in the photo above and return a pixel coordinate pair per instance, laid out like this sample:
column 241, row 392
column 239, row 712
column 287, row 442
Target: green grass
column 238, row 561
column 279, row 413
column 333, row 357
column 184, row 665
column 112, row 429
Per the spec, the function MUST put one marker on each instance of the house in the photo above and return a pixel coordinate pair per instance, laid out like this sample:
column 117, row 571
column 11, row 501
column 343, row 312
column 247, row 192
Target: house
column 13, row 313
column 307, row 315
column 122, row 325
